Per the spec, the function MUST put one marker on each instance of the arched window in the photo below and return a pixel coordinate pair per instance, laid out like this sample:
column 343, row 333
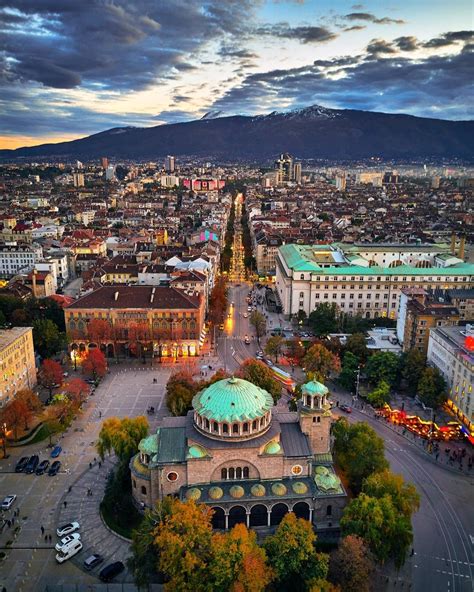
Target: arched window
column 301, row 276
column 319, row 419
column 225, row 428
column 223, row 474
column 246, row 472
column 238, row 473
column 134, row 484
column 235, row 428
column 262, row 422
column 254, row 424
column 231, row 473
column 206, row 423
column 215, row 426
column 329, row 510
column 143, row 490
column 308, row 401
column 246, row 427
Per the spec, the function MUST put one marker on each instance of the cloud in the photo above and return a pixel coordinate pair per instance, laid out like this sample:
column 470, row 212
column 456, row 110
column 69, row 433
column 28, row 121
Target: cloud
column 449, row 39
column 408, row 43
column 308, row 34
column 379, row 46
column 369, row 17
column 355, row 28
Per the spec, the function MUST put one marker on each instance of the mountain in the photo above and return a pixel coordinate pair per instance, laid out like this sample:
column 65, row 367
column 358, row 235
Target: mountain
column 313, row 132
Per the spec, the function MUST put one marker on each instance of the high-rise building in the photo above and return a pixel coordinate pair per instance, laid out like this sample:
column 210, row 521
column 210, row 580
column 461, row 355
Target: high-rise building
column 17, row 360
column 435, row 182
column 110, row 172
column 78, row 179
column 170, row 163
column 341, row 182
column 104, row 162
column 297, row 173
column 284, row 168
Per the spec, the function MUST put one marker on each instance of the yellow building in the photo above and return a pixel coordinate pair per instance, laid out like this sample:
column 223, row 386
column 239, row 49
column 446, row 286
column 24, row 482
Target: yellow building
column 17, row 362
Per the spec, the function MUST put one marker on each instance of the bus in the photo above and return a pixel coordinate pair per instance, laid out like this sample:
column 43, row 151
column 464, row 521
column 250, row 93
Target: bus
column 284, row 378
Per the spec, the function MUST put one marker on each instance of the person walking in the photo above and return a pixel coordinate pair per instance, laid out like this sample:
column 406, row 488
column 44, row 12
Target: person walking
column 65, row 503
column 42, row 529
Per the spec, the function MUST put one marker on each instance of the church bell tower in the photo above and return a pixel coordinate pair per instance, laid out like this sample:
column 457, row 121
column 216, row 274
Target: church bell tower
column 315, row 415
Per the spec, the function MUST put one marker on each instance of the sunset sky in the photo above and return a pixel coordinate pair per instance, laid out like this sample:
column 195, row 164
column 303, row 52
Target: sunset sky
column 71, row 68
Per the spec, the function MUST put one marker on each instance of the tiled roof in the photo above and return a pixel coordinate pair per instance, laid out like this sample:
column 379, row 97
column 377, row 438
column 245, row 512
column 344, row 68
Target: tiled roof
column 171, row 445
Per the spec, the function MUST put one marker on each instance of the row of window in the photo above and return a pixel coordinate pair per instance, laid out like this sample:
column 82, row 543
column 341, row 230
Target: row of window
column 388, row 279
column 235, row 473
column 231, row 429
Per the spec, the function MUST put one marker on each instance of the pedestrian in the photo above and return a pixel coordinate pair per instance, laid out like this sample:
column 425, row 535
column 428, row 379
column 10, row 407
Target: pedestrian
column 65, row 504
column 412, row 552
column 90, row 465
column 45, row 538
column 50, row 538
column 69, row 489
column 42, row 529
column 100, row 464
column 9, row 522
column 95, row 460
column 100, row 414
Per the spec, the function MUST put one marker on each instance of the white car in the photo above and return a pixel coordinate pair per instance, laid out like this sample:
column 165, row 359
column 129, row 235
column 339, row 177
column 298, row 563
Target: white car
column 75, row 536
column 245, row 315
column 68, row 528
column 8, row 502
column 68, row 551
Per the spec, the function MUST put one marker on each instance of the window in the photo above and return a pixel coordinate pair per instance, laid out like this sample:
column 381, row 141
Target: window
column 329, row 510
column 143, row 490
column 302, row 276
column 235, row 428
column 172, row 476
column 225, row 428
column 254, row 425
column 223, row 474
column 246, row 427
column 231, row 473
column 238, row 473
column 215, row 426
column 246, row 472
column 134, row 484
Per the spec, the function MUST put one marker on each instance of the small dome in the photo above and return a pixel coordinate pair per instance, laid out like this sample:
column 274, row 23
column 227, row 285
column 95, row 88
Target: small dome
column 299, row 487
column 149, row 445
column 232, row 399
column 313, row 387
column 215, row 493
column 196, row 451
column 193, row 494
column 236, row 491
column 272, row 448
column 258, row 490
column 279, row 489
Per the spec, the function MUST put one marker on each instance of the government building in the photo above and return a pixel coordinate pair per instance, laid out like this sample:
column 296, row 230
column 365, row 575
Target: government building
column 364, row 279
column 248, row 460
column 17, row 362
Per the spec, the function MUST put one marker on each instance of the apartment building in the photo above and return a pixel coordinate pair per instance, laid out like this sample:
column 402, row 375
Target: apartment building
column 15, row 257
column 17, row 362
column 364, row 279
column 451, row 350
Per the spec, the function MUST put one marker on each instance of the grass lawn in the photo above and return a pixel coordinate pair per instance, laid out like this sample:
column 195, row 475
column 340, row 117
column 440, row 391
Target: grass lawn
column 132, row 521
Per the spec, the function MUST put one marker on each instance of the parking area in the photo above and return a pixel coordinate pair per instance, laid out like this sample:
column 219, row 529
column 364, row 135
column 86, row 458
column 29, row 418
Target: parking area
column 29, row 561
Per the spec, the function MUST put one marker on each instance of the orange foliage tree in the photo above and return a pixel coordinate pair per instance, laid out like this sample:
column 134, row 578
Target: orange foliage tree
column 321, row 362
column 95, row 364
column 76, row 389
column 16, row 414
column 51, row 374
column 99, row 331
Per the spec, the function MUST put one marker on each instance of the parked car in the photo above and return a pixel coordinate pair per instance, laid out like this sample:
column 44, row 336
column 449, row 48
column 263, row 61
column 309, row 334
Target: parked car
column 247, row 340
column 93, row 561
column 21, row 464
column 56, row 452
column 42, row 467
column 75, row 536
column 109, row 572
column 68, row 551
column 245, row 315
column 259, row 355
column 8, row 502
column 32, row 464
column 345, row 408
column 68, row 528
column 221, row 326
column 54, row 468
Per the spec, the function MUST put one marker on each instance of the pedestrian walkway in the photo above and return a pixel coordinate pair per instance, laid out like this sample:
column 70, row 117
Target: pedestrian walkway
column 78, row 506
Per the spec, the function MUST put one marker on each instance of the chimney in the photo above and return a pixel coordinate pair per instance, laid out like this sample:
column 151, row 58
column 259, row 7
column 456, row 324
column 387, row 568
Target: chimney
column 462, row 247
column 453, row 244
column 116, row 295
column 33, row 281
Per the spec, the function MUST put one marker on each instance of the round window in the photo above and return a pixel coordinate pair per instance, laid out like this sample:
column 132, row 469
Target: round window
column 296, row 469
column 172, row 476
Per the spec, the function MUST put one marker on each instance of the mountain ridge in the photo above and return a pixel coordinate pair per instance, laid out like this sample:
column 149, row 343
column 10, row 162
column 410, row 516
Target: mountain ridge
column 309, row 132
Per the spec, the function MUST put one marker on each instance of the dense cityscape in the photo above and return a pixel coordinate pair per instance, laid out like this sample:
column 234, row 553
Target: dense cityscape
column 236, row 297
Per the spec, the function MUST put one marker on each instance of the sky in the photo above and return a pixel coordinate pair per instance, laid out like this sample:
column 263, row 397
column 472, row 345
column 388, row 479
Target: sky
column 71, row 68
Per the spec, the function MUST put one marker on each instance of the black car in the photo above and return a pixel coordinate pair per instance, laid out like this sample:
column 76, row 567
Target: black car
column 54, row 468
column 32, row 464
column 93, row 561
column 110, row 571
column 42, row 467
column 21, row 464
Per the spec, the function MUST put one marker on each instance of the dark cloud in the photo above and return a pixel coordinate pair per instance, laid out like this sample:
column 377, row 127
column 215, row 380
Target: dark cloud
column 355, row 28
column 409, row 43
column 369, row 17
column 304, row 34
column 235, row 52
column 379, row 46
column 449, row 39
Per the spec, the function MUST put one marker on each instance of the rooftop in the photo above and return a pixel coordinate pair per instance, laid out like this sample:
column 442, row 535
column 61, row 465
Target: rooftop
column 8, row 336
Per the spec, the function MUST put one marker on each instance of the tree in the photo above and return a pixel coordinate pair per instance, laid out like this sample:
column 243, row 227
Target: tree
column 432, row 388
column 31, row 400
column 259, row 323
column 295, row 350
column 382, row 366
column 218, row 302
column 347, row 377
column 321, row 362
column 183, row 540
column 380, row 395
column 16, row 414
column 404, row 495
column 50, row 375
column 260, row 374
column 51, row 423
column 356, row 344
column 274, row 346
column 95, row 363
column 62, row 409
column 76, row 389
column 359, row 451
column 301, row 316
column 292, row 554
column 47, row 338
column 351, row 565
column 325, row 319
column 180, row 390
column 99, row 330
column 412, row 365
column 122, row 436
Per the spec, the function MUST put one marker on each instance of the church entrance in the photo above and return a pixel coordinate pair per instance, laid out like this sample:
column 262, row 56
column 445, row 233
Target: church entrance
column 278, row 512
column 301, row 510
column 237, row 515
column 218, row 518
column 258, row 515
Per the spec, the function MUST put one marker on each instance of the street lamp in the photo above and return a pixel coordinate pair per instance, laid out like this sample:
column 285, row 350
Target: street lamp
column 4, row 439
column 357, row 381
column 74, row 357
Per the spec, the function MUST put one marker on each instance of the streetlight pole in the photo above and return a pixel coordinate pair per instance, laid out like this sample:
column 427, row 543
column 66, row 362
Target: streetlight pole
column 357, row 381
column 4, row 439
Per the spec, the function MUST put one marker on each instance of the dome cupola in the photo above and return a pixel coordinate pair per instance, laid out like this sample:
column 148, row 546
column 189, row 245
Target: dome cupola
column 314, row 395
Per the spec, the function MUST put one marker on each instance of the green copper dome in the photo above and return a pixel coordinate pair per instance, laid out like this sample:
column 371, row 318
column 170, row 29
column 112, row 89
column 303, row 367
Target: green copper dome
column 232, row 399
column 215, row 493
column 272, row 448
column 299, row 487
column 196, row 451
column 193, row 494
column 313, row 387
column 279, row 489
column 149, row 445
column 236, row 491
column 258, row 490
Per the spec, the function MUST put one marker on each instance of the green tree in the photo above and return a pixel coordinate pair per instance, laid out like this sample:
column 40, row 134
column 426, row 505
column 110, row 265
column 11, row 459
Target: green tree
column 404, row 495
column 432, row 388
column 351, row 565
column 122, row 436
column 347, row 377
column 382, row 366
column 274, row 346
column 359, row 451
column 412, row 364
column 259, row 323
column 356, row 344
column 380, row 395
column 47, row 338
column 321, row 362
column 292, row 555
column 260, row 374
column 324, row 319
column 301, row 316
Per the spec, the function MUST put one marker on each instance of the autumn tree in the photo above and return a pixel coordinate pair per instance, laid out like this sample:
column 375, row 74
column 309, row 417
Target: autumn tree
column 295, row 350
column 351, row 565
column 50, row 375
column 99, row 331
column 51, row 423
column 259, row 323
column 76, row 389
column 138, row 333
column 218, row 302
column 321, row 362
column 16, row 415
column 61, row 409
column 292, row 555
column 180, row 390
column 432, row 388
column 274, row 346
column 122, row 436
column 260, row 374
column 31, row 400
column 95, row 364
column 356, row 344
column 380, row 395
column 404, row 495
column 382, row 366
